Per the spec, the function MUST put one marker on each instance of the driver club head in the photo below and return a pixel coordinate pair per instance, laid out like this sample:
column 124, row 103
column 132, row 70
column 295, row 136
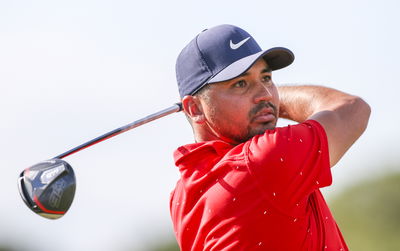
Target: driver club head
column 48, row 188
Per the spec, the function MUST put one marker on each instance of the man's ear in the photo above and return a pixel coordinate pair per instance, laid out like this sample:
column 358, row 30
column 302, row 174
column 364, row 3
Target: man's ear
column 193, row 108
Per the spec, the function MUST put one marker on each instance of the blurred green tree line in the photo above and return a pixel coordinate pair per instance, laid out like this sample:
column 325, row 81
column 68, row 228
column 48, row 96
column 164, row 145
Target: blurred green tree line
column 368, row 214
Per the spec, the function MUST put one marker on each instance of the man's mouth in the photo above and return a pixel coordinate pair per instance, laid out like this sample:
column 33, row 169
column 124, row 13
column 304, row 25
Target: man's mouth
column 264, row 116
column 263, row 113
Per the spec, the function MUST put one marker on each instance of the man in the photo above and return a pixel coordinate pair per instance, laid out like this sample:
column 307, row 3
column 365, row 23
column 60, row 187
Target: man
column 246, row 184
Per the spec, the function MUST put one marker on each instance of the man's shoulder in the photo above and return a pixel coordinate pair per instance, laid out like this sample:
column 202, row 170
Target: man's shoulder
column 291, row 140
column 288, row 133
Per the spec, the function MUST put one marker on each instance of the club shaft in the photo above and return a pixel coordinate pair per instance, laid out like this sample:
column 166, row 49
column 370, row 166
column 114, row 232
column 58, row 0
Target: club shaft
column 175, row 108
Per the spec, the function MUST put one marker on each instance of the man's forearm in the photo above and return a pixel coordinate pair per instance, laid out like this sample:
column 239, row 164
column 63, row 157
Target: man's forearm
column 298, row 103
column 343, row 116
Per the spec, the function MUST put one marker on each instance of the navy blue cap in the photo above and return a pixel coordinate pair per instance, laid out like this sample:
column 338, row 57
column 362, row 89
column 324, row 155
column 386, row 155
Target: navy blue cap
column 222, row 53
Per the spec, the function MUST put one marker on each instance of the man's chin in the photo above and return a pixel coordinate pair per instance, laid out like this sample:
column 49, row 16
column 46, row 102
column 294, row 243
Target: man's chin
column 253, row 131
column 262, row 128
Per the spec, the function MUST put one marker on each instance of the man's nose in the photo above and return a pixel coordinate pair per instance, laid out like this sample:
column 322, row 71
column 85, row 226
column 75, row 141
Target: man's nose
column 263, row 93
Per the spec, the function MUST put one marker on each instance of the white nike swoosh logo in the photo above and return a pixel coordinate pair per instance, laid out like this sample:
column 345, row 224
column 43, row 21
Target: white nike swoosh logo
column 236, row 46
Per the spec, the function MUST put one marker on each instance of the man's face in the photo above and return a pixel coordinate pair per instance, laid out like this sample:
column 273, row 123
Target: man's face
column 239, row 109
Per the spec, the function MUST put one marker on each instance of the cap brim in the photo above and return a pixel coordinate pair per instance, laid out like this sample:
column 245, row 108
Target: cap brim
column 277, row 58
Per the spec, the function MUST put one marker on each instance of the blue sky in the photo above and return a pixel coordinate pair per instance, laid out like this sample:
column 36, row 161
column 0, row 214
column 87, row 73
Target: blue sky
column 73, row 70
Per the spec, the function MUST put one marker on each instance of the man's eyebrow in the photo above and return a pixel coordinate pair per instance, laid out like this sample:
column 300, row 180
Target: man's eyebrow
column 265, row 70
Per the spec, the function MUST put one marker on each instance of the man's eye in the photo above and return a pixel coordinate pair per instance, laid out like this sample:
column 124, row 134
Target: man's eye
column 240, row 84
column 267, row 78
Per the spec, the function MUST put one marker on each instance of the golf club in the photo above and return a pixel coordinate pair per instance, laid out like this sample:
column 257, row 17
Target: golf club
column 48, row 188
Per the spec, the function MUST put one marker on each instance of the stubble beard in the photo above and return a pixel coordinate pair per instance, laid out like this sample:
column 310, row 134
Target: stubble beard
column 265, row 126
column 231, row 131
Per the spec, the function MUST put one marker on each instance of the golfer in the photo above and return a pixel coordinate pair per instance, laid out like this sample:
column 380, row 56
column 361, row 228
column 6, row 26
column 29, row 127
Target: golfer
column 245, row 183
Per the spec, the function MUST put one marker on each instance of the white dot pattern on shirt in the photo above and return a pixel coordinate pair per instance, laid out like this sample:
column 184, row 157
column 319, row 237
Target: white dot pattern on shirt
column 274, row 194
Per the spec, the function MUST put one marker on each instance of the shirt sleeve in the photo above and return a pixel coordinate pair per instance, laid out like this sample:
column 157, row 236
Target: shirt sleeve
column 290, row 163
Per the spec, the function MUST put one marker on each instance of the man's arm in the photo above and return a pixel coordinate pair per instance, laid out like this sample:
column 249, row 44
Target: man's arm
column 343, row 116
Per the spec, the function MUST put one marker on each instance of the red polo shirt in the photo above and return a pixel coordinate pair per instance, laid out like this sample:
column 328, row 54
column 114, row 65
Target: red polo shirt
column 260, row 195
